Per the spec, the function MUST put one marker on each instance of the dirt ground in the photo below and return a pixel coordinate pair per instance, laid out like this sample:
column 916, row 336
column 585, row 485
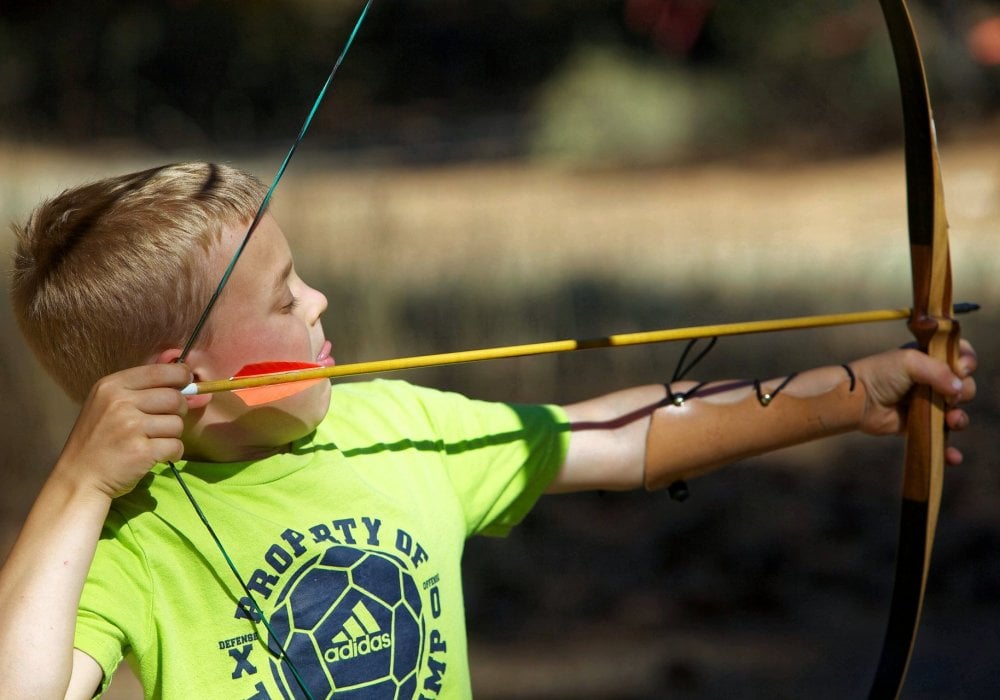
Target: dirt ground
column 773, row 580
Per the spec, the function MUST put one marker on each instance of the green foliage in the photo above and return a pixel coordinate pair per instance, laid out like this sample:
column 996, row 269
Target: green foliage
column 609, row 106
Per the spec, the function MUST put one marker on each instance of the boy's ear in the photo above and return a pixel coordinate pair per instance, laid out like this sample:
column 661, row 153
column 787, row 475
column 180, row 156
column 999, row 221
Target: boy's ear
column 170, row 355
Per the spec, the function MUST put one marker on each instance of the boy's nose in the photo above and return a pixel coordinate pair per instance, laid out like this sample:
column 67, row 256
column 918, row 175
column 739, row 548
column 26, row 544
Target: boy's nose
column 317, row 304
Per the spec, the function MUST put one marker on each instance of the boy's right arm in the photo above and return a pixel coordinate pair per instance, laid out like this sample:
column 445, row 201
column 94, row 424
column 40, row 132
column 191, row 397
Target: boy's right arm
column 131, row 421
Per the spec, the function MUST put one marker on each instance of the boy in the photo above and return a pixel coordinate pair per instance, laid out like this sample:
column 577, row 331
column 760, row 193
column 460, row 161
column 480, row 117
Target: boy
column 343, row 509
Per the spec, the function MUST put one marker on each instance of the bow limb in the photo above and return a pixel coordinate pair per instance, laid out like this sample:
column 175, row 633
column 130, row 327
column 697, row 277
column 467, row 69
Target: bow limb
column 937, row 334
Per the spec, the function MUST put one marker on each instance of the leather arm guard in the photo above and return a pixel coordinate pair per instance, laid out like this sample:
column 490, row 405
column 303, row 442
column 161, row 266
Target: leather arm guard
column 732, row 422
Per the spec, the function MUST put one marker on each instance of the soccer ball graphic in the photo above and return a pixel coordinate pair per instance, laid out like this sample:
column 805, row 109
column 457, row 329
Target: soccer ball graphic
column 350, row 621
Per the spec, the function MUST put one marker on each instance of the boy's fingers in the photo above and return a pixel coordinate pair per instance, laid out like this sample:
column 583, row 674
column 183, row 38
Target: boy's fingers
column 935, row 374
column 957, row 419
column 167, row 449
column 968, row 390
column 164, row 427
column 165, row 375
column 162, row 402
column 968, row 361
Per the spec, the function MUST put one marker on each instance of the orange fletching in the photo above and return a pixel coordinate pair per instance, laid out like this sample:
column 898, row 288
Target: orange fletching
column 272, row 367
column 267, row 393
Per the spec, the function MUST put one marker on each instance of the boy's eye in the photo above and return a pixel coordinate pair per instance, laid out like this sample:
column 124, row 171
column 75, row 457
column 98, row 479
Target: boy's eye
column 292, row 305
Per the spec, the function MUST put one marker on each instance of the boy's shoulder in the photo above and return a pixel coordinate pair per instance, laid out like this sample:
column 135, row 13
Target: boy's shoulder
column 400, row 400
column 402, row 407
column 391, row 390
column 393, row 408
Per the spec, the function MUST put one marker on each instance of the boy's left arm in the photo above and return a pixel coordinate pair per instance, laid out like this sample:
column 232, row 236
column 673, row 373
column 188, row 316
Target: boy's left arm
column 640, row 437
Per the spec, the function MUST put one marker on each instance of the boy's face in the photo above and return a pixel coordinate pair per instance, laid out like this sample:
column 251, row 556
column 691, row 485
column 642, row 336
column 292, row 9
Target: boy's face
column 266, row 312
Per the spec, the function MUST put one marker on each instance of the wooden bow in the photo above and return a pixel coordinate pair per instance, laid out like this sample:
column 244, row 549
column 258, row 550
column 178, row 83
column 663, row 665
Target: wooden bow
column 937, row 334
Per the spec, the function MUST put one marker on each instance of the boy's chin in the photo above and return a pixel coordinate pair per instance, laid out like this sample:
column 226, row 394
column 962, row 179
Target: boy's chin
column 241, row 433
column 301, row 413
column 319, row 403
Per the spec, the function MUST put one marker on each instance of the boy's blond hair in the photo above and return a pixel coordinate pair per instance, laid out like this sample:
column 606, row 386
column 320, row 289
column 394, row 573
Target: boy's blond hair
column 108, row 274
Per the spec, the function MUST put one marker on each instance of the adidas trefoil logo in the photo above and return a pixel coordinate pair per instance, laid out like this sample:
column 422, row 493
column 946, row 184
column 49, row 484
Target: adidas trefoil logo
column 360, row 636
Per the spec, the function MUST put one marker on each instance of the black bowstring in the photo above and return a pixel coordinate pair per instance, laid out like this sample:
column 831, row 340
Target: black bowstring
column 256, row 611
column 281, row 652
column 681, row 371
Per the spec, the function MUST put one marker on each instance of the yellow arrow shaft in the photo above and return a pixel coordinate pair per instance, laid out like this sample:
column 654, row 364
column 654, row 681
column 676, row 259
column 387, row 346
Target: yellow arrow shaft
column 551, row 347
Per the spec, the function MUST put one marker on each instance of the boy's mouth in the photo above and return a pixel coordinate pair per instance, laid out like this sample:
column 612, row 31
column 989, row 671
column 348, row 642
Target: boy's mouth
column 323, row 358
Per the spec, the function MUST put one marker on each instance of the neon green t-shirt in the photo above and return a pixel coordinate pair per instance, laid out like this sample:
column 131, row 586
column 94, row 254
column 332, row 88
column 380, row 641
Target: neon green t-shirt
column 351, row 544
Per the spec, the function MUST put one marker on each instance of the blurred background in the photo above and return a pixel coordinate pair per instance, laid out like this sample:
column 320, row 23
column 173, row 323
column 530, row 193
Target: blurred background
column 515, row 171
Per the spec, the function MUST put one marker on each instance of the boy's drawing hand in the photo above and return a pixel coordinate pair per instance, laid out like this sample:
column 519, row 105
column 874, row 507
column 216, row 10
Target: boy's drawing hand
column 888, row 378
column 132, row 420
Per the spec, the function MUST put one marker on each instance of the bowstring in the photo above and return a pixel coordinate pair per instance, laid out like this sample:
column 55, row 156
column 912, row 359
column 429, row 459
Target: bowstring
column 282, row 651
column 274, row 184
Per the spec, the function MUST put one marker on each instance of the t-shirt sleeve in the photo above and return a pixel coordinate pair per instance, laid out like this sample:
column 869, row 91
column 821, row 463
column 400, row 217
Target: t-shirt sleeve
column 113, row 607
column 499, row 457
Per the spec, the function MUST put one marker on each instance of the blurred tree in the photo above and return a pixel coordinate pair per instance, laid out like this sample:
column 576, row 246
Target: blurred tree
column 442, row 78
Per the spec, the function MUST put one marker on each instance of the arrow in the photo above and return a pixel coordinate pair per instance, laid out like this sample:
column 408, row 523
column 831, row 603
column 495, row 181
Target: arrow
column 269, row 381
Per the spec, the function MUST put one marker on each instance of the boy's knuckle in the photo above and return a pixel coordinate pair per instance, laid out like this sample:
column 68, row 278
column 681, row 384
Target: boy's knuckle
column 102, row 388
column 176, row 426
column 173, row 450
